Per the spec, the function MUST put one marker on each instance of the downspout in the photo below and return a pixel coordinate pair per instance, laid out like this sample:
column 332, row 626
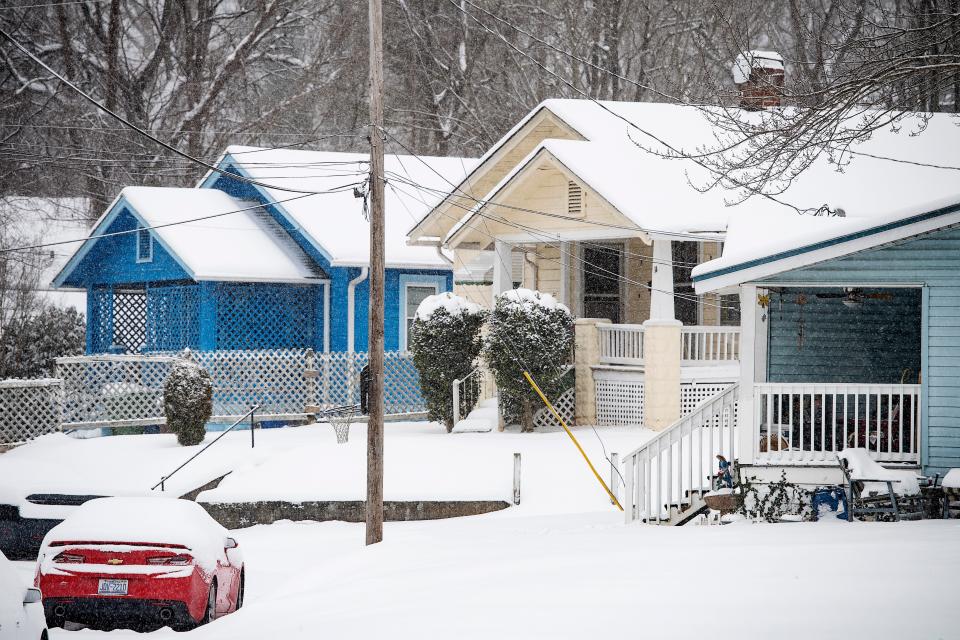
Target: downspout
column 442, row 255
column 351, row 312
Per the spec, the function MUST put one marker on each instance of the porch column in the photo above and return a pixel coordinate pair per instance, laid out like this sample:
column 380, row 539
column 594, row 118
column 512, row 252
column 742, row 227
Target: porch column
column 502, row 268
column 565, row 248
column 586, row 354
column 750, row 319
column 208, row 316
column 661, row 345
column 661, row 294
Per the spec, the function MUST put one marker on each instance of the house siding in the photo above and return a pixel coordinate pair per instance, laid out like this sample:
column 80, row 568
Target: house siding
column 931, row 261
column 113, row 260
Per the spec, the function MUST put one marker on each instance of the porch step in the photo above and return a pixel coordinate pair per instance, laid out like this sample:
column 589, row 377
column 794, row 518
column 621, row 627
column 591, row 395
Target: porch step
column 482, row 419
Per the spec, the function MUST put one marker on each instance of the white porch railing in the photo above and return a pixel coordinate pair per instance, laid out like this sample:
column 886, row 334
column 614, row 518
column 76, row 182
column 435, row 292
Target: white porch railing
column 677, row 464
column 810, row 423
column 476, row 386
column 719, row 345
column 623, row 344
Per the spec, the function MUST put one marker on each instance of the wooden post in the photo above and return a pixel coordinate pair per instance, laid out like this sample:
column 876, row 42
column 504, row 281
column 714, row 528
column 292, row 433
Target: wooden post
column 516, row 478
column 375, row 396
column 456, row 401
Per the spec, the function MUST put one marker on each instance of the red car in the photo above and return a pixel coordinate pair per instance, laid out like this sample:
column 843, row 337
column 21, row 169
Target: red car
column 142, row 563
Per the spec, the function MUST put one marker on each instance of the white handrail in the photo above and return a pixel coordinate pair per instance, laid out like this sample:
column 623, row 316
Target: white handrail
column 473, row 388
column 710, row 344
column 679, row 461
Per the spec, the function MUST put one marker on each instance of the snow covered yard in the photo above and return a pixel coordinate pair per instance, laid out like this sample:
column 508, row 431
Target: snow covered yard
column 587, row 575
column 562, row 564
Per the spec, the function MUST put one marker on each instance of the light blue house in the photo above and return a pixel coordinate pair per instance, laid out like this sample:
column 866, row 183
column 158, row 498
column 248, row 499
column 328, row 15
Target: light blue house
column 851, row 337
column 279, row 264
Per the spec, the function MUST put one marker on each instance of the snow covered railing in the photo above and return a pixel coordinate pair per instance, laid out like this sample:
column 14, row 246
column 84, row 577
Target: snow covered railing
column 702, row 345
column 621, row 343
column 673, row 467
column 475, row 387
column 811, row 422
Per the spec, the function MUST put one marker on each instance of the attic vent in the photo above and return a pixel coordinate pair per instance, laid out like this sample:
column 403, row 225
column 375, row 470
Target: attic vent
column 574, row 198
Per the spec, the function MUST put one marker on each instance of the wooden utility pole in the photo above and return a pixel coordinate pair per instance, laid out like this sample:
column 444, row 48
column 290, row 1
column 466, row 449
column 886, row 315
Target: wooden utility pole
column 375, row 393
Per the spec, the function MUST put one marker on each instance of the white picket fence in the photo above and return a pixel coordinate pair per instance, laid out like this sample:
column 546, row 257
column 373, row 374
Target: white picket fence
column 127, row 390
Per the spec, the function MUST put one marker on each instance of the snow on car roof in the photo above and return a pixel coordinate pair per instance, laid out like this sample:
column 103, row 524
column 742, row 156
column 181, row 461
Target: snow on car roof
column 143, row 521
column 335, row 221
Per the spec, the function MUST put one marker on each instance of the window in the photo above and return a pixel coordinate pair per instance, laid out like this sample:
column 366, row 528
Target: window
column 415, row 294
column 686, row 303
column 144, row 245
column 602, row 273
column 730, row 310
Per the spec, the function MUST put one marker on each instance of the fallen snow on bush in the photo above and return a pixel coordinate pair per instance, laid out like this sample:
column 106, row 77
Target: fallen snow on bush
column 453, row 304
column 530, row 297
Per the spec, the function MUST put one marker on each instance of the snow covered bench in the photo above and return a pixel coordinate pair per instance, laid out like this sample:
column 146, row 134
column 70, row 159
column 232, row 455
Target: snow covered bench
column 874, row 490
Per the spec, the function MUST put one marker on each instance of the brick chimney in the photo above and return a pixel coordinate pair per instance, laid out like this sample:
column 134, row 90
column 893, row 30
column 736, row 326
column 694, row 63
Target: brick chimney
column 759, row 77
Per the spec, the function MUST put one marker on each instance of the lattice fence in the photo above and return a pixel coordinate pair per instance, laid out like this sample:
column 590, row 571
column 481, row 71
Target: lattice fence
column 693, row 394
column 565, row 404
column 28, row 409
column 127, row 390
column 103, row 389
column 338, row 381
column 619, row 400
column 620, row 397
column 275, row 379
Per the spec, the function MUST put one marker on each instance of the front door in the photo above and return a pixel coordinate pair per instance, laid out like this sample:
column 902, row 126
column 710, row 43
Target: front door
column 602, row 276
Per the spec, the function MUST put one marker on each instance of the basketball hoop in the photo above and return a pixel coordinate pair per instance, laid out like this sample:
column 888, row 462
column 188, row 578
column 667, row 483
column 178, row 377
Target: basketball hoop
column 340, row 419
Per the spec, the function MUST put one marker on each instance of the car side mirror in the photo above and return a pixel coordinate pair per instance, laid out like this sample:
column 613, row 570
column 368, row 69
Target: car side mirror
column 32, row 596
column 230, row 543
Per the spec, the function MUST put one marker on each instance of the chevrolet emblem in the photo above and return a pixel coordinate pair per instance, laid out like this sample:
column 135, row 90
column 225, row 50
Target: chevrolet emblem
column 114, row 561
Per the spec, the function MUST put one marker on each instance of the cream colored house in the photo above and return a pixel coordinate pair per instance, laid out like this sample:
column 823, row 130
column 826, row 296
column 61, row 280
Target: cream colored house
column 569, row 204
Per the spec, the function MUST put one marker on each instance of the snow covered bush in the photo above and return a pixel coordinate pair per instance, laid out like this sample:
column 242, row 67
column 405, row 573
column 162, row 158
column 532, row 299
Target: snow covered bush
column 188, row 402
column 531, row 331
column 29, row 345
column 445, row 341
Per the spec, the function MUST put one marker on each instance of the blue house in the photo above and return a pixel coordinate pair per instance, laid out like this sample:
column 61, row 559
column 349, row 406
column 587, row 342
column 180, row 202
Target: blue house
column 851, row 338
column 280, row 264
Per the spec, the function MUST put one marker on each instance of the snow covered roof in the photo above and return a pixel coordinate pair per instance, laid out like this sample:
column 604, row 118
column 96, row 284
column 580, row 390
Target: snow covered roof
column 31, row 220
column 243, row 245
column 626, row 165
column 759, row 246
column 334, row 222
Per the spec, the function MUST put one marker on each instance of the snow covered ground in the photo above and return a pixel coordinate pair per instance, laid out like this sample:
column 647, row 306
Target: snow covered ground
column 562, row 564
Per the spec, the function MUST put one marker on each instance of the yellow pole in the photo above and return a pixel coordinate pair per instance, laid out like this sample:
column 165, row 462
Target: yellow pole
column 570, row 433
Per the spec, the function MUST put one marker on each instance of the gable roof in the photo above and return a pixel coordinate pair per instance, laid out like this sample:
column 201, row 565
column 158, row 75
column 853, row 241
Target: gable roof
column 334, row 221
column 242, row 245
column 758, row 247
column 627, row 167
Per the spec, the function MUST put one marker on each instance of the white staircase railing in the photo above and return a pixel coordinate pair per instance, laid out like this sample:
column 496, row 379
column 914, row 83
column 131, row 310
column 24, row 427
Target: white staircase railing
column 675, row 467
column 467, row 393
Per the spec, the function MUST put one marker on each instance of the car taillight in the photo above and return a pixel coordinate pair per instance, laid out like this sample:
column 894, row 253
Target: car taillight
column 68, row 558
column 178, row 561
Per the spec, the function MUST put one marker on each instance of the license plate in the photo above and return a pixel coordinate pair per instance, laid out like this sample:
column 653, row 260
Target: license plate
column 112, row 587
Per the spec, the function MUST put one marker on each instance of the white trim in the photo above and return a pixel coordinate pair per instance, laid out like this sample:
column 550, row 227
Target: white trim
column 843, row 248
column 439, row 284
column 351, row 304
column 326, row 316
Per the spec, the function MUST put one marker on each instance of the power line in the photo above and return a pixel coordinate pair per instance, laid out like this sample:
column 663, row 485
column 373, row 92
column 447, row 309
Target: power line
column 674, row 150
column 53, row 4
column 178, row 222
column 134, row 127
